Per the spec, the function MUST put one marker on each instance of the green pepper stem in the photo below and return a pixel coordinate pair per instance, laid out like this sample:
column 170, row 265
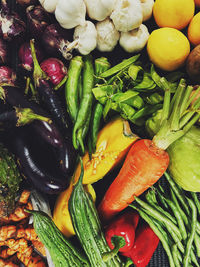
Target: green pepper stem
column 118, row 242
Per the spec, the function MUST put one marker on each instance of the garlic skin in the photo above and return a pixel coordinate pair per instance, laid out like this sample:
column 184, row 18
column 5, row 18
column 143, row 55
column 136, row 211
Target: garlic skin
column 147, row 8
column 127, row 15
column 70, row 13
column 86, row 37
column 49, row 5
column 99, row 9
column 107, row 35
column 135, row 40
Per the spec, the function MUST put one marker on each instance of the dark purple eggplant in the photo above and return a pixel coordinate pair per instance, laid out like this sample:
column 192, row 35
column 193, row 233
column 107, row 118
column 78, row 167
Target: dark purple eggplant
column 12, row 27
column 57, row 40
column 3, row 52
column 38, row 19
column 43, row 180
column 27, row 2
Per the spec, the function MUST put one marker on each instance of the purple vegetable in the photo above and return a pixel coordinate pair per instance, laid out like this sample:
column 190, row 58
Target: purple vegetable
column 12, row 27
column 3, row 52
column 38, row 19
column 25, row 56
column 7, row 75
column 57, row 40
column 26, row 2
column 55, row 69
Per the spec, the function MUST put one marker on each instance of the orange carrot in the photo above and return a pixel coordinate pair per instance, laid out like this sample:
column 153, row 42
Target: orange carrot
column 143, row 166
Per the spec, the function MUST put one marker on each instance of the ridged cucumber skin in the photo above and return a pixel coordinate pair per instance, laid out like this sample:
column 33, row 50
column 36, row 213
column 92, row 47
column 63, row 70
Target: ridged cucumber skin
column 62, row 252
column 87, row 227
column 10, row 179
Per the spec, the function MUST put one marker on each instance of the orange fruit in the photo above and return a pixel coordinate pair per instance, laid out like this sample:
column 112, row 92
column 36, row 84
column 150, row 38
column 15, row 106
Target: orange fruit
column 168, row 48
column 194, row 30
column 173, row 13
column 197, row 3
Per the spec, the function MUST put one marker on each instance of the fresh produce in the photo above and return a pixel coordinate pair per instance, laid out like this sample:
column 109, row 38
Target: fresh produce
column 7, row 75
column 173, row 13
column 193, row 33
column 3, row 52
column 193, row 64
column 174, row 219
column 10, row 180
column 145, row 244
column 147, row 160
column 147, row 6
column 61, row 216
column 123, row 226
column 168, row 48
column 197, row 3
column 62, row 251
column 87, row 226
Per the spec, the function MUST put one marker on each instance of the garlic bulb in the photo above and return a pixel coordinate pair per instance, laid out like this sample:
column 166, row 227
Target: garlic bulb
column 86, row 37
column 127, row 15
column 135, row 40
column 70, row 13
column 49, row 5
column 107, row 35
column 99, row 9
column 147, row 7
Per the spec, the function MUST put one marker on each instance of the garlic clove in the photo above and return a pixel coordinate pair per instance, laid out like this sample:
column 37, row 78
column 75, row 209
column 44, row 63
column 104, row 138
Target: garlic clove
column 99, row 9
column 107, row 35
column 135, row 40
column 86, row 37
column 147, row 8
column 70, row 13
column 49, row 5
column 127, row 15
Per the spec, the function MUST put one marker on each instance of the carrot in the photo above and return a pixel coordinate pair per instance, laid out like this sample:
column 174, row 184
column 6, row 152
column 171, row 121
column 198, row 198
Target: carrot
column 147, row 160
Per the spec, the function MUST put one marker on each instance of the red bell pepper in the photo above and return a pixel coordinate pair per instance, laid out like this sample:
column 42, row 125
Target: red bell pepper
column 146, row 242
column 120, row 233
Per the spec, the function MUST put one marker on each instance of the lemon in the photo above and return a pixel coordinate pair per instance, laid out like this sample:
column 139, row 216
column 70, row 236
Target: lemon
column 168, row 48
column 194, row 30
column 173, row 13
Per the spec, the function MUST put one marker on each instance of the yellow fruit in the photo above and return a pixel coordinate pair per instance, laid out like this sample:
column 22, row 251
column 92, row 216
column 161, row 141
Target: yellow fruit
column 194, row 30
column 168, row 48
column 173, row 13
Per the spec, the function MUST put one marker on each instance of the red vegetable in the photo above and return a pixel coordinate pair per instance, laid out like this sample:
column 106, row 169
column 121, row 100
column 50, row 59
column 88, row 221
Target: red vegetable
column 146, row 242
column 123, row 226
column 7, row 75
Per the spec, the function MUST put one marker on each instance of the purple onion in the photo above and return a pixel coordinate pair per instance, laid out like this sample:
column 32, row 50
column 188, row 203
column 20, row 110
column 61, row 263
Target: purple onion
column 55, row 70
column 12, row 27
column 25, row 56
column 58, row 40
column 38, row 19
column 3, row 52
column 7, row 76
column 26, row 2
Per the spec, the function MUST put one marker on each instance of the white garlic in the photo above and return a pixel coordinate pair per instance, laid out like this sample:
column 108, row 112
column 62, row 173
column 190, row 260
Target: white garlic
column 70, row 13
column 86, row 37
column 135, row 40
column 127, row 15
column 107, row 35
column 49, row 5
column 147, row 7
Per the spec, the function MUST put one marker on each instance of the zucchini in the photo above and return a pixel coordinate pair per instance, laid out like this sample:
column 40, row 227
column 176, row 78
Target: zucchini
column 63, row 253
column 10, row 180
column 87, row 226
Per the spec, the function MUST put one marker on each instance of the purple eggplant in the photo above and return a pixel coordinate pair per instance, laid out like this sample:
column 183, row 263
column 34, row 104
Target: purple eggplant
column 7, row 75
column 4, row 58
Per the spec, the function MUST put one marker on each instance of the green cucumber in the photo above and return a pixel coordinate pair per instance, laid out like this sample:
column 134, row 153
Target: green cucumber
column 87, row 227
column 63, row 253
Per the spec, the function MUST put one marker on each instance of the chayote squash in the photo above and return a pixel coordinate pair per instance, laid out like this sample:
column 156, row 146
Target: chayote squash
column 184, row 154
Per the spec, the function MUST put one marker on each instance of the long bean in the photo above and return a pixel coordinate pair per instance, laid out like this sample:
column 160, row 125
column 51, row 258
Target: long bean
column 191, row 236
column 175, row 255
column 154, row 213
column 196, row 201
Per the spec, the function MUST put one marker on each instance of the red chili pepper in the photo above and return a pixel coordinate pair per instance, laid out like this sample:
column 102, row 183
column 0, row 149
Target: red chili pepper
column 123, row 226
column 146, row 242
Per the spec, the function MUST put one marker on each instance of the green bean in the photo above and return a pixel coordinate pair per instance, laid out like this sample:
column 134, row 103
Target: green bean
column 178, row 218
column 71, row 87
column 154, row 213
column 81, row 134
column 95, row 124
column 196, row 201
column 86, row 103
column 161, row 197
column 175, row 238
column 194, row 259
column 197, row 244
column 191, row 236
column 119, row 67
column 101, row 65
column 175, row 255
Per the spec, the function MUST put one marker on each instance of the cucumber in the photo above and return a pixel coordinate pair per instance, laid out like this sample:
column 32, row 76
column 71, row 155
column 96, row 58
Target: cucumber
column 63, row 253
column 10, row 180
column 87, row 226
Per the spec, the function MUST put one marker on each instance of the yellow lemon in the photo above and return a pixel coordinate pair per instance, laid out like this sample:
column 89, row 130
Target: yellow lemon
column 168, row 48
column 173, row 13
column 194, row 30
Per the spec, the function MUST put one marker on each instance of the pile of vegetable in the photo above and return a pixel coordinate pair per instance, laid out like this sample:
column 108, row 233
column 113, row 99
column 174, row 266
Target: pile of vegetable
column 99, row 133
